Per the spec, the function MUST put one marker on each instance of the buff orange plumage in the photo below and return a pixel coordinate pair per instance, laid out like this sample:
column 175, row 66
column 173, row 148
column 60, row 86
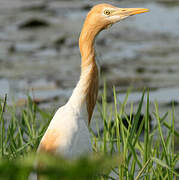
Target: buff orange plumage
column 67, row 133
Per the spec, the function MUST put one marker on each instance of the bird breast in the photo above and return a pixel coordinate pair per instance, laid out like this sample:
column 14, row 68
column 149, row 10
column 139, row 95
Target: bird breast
column 67, row 134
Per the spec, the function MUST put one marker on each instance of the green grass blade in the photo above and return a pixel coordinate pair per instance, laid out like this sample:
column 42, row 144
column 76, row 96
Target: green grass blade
column 143, row 169
column 136, row 119
column 2, row 125
column 161, row 134
column 162, row 164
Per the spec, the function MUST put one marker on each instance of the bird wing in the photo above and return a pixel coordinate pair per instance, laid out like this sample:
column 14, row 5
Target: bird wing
column 51, row 140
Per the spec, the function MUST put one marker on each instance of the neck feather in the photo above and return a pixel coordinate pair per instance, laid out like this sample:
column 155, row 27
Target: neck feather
column 86, row 90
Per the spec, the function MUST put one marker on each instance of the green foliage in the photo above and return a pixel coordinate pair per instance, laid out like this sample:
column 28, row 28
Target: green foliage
column 150, row 158
column 131, row 152
column 92, row 167
column 21, row 132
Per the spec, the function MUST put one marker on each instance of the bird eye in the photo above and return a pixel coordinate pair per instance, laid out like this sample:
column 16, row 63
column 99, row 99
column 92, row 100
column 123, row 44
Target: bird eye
column 107, row 12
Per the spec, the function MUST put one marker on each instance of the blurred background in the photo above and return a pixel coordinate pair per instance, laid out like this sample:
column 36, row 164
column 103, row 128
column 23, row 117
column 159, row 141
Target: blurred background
column 39, row 52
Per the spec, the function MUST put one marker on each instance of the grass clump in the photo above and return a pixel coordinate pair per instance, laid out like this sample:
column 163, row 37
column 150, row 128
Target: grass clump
column 131, row 152
column 20, row 132
column 151, row 157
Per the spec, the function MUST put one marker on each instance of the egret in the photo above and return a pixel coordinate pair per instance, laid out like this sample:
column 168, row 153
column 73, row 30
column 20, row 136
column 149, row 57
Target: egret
column 67, row 133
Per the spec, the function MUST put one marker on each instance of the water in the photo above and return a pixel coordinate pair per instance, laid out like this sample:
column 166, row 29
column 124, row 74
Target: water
column 141, row 51
column 163, row 96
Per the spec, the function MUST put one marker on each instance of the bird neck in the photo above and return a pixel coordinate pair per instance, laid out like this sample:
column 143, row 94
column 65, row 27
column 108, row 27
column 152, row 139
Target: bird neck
column 87, row 88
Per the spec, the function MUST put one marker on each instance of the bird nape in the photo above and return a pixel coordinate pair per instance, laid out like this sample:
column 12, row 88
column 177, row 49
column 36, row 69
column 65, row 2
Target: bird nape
column 68, row 133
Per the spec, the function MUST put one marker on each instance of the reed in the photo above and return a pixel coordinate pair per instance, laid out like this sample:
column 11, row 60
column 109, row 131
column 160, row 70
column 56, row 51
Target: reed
column 125, row 152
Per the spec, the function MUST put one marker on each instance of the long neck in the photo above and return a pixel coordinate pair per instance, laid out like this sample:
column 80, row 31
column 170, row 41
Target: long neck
column 87, row 88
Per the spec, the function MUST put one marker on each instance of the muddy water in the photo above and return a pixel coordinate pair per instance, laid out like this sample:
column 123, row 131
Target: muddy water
column 39, row 51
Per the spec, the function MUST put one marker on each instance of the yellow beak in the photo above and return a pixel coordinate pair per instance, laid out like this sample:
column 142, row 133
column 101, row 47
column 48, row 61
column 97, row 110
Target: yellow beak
column 133, row 11
column 130, row 11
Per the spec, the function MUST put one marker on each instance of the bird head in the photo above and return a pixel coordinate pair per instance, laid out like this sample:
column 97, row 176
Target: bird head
column 103, row 16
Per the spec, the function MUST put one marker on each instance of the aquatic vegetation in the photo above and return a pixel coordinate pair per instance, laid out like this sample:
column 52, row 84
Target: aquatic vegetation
column 126, row 152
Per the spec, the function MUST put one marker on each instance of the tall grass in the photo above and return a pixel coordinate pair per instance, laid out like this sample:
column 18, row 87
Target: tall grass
column 131, row 152
column 21, row 129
